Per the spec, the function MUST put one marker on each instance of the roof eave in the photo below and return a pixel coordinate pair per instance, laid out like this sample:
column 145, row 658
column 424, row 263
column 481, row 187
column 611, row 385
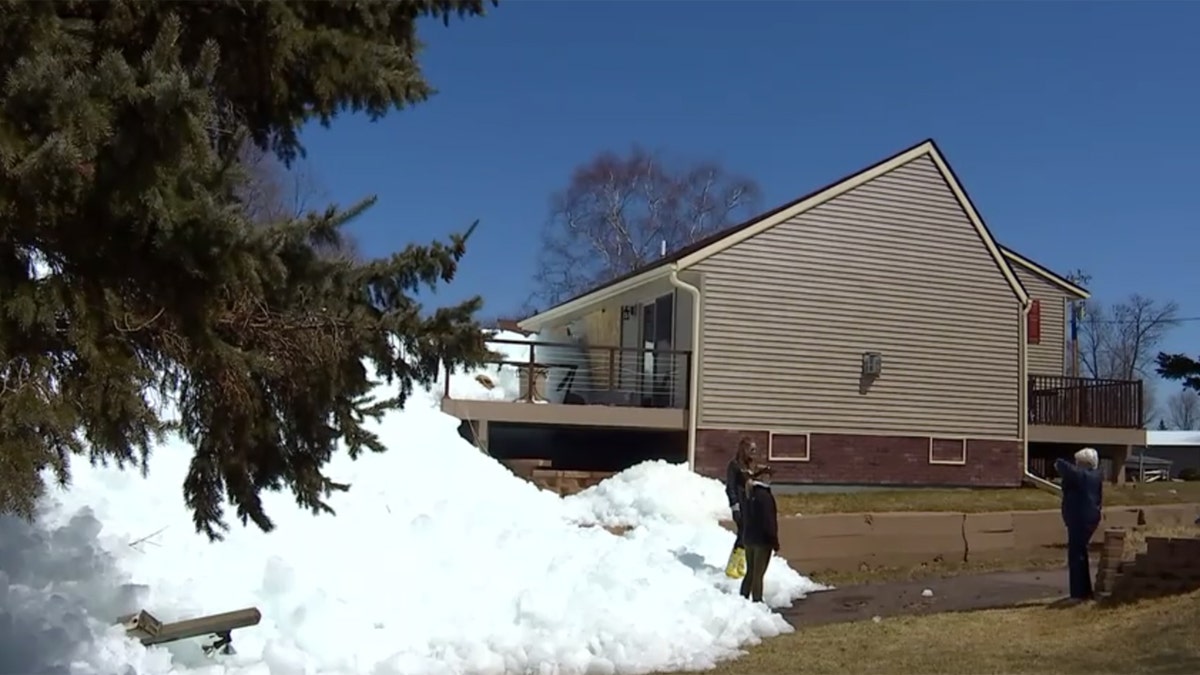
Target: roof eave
column 1074, row 289
column 927, row 148
column 581, row 304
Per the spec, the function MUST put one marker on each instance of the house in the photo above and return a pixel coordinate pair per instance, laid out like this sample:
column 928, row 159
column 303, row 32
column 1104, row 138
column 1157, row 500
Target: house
column 1143, row 468
column 1181, row 448
column 871, row 332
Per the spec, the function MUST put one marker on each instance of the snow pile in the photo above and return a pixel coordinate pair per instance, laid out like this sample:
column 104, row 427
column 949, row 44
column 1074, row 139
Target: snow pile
column 651, row 491
column 439, row 562
column 561, row 366
column 667, row 503
column 503, row 381
column 52, row 578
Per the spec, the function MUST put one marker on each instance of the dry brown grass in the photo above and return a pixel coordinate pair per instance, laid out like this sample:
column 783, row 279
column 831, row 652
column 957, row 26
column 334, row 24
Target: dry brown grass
column 1135, row 539
column 1149, row 637
column 940, row 570
column 979, row 500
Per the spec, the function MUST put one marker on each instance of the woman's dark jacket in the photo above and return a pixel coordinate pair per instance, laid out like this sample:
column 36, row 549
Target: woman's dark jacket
column 760, row 520
column 735, row 483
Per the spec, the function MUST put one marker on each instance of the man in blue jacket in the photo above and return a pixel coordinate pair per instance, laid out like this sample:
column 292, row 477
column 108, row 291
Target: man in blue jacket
column 1082, row 499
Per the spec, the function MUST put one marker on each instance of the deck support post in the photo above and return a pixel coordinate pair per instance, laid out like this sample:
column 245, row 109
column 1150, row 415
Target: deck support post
column 1119, row 454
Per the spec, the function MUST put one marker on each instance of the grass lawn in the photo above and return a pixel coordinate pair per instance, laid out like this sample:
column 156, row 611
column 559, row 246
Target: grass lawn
column 1152, row 636
column 1157, row 636
column 979, row 500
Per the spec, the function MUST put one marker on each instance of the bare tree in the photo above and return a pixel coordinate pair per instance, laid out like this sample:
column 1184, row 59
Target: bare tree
column 1183, row 410
column 273, row 193
column 619, row 211
column 1121, row 342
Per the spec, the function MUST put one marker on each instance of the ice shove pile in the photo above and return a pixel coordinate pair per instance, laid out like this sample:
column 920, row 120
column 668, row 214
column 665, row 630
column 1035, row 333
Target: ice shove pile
column 651, row 491
column 667, row 503
column 503, row 381
column 439, row 562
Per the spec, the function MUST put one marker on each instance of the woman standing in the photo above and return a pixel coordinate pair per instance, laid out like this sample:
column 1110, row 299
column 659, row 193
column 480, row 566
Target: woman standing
column 760, row 534
column 1082, row 501
column 736, row 476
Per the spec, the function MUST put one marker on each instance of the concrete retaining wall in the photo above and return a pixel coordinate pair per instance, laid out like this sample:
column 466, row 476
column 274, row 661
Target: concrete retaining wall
column 855, row 541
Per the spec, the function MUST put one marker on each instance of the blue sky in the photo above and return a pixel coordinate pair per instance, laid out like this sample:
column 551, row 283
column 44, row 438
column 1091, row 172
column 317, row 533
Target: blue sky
column 1074, row 126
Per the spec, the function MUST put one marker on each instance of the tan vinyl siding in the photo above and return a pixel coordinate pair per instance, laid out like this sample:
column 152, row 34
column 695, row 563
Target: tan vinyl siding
column 600, row 329
column 1048, row 357
column 893, row 266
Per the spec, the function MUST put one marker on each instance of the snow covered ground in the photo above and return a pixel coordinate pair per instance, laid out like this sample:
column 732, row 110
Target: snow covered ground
column 439, row 562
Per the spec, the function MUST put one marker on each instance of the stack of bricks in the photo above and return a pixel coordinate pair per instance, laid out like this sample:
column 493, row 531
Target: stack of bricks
column 540, row 473
column 524, row 468
column 1111, row 553
column 567, row 482
column 1169, row 566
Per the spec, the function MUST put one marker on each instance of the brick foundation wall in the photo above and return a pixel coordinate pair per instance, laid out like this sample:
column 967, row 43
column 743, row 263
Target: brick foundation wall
column 1168, row 566
column 868, row 460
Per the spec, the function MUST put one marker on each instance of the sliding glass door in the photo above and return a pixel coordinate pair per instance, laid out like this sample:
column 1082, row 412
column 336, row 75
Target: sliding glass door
column 647, row 329
column 658, row 327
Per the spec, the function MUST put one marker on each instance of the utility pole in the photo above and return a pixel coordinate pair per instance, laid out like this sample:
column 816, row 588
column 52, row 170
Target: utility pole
column 1078, row 310
column 1076, row 314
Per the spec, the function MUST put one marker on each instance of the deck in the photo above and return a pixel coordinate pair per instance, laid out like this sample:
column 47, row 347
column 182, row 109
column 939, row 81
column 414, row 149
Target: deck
column 559, row 384
column 1080, row 410
column 551, row 383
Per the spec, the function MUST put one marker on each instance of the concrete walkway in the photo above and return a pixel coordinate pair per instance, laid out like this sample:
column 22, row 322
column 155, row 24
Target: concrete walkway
column 969, row 592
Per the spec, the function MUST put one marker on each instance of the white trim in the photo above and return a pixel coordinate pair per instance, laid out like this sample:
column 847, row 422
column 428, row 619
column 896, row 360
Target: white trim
column 977, row 221
column 771, row 446
column 925, row 149
column 744, row 428
column 1045, row 273
column 693, row 411
column 948, row 462
column 538, row 321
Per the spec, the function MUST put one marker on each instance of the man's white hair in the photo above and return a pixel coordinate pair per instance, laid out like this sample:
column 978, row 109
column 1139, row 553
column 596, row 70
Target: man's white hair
column 1088, row 457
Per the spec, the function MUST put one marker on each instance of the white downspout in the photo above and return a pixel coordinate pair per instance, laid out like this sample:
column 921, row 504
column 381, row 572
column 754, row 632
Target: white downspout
column 693, row 366
column 1026, row 476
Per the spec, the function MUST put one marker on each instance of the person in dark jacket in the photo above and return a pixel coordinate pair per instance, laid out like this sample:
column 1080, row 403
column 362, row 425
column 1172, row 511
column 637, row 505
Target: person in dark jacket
column 1082, row 499
column 736, row 475
column 760, row 533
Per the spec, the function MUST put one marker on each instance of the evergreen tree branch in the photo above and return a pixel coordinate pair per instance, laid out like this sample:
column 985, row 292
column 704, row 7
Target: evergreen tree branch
column 131, row 274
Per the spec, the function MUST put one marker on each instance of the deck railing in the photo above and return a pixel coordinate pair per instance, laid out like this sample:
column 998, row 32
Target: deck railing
column 1056, row 400
column 573, row 374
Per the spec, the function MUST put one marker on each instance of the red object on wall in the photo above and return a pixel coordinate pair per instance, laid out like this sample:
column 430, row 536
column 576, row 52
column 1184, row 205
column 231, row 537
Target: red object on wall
column 1035, row 322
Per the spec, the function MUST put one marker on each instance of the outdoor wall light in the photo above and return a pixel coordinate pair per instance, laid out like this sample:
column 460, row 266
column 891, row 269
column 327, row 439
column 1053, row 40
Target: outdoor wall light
column 872, row 364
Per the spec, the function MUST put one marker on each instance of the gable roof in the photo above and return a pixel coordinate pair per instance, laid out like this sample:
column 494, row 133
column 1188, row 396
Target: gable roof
column 704, row 248
column 1062, row 282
